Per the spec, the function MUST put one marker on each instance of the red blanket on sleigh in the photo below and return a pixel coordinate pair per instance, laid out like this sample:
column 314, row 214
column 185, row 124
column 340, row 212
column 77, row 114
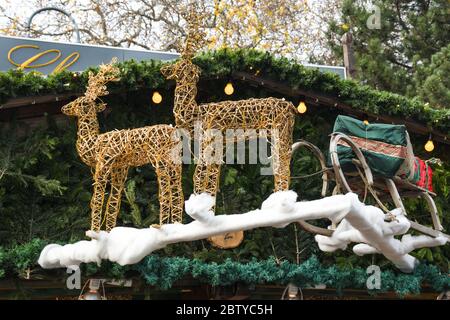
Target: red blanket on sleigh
column 423, row 175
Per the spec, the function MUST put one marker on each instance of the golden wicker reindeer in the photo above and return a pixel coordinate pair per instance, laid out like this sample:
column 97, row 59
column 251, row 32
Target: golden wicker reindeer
column 271, row 114
column 111, row 154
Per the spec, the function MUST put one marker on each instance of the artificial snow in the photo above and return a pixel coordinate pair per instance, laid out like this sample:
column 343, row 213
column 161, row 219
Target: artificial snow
column 358, row 223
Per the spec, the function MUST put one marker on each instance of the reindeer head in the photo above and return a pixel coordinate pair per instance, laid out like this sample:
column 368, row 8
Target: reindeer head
column 96, row 88
column 184, row 70
column 81, row 106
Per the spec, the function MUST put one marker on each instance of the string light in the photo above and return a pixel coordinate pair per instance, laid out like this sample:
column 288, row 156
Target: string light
column 366, row 122
column 93, row 293
column 429, row 146
column 156, row 97
column 292, row 293
column 229, row 89
column 302, row 107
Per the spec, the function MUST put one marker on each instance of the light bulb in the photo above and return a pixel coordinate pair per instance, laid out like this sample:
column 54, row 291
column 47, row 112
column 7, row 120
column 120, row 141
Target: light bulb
column 229, row 89
column 429, row 146
column 366, row 122
column 156, row 97
column 301, row 107
column 293, row 292
column 91, row 295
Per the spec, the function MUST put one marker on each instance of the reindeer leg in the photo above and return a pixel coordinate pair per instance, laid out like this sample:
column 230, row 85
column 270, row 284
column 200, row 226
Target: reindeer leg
column 206, row 179
column 200, row 168
column 118, row 177
column 212, row 182
column 177, row 197
column 207, row 172
column 281, row 156
column 165, row 195
column 98, row 196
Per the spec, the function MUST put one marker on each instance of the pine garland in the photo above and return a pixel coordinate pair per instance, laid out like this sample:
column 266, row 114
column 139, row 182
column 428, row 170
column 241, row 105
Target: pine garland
column 220, row 65
column 164, row 271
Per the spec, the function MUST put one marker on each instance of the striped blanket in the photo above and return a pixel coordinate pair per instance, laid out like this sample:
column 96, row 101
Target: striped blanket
column 386, row 149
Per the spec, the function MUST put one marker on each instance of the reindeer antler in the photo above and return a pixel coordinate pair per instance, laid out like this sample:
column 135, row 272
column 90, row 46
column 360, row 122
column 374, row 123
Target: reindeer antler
column 196, row 36
column 97, row 83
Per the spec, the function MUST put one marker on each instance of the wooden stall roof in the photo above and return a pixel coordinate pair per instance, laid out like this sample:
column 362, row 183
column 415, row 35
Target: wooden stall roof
column 189, row 289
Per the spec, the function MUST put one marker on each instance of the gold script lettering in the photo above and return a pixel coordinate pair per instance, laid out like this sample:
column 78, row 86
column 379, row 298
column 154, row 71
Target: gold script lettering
column 64, row 64
column 67, row 62
column 27, row 63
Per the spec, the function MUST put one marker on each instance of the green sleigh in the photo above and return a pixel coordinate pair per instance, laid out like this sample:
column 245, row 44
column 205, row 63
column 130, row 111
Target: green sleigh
column 375, row 159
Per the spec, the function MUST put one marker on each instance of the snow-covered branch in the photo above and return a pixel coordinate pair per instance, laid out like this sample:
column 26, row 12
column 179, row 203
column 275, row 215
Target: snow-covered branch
column 358, row 223
column 366, row 226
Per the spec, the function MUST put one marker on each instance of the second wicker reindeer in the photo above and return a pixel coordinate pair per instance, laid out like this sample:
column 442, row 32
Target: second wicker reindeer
column 275, row 116
column 111, row 154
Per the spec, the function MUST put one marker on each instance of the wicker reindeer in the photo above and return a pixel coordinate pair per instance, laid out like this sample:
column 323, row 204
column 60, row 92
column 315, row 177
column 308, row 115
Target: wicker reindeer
column 112, row 153
column 271, row 114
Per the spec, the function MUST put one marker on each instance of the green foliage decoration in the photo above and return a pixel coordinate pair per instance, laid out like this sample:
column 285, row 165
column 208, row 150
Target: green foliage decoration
column 45, row 189
column 164, row 271
column 219, row 65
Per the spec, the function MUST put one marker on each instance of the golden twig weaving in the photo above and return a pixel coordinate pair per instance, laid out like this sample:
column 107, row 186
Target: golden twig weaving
column 111, row 154
column 271, row 114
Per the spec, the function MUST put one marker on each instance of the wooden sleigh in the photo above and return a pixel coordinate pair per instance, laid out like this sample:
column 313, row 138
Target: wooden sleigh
column 362, row 181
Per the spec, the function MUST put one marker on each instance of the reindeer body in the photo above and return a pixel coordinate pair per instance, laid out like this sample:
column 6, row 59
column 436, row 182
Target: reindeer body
column 111, row 154
column 136, row 147
column 250, row 113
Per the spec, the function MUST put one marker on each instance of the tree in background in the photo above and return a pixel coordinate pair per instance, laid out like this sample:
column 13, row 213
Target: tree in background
column 407, row 54
column 289, row 27
column 431, row 79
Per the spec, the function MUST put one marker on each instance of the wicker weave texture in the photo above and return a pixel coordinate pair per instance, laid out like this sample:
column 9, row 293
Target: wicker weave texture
column 111, row 154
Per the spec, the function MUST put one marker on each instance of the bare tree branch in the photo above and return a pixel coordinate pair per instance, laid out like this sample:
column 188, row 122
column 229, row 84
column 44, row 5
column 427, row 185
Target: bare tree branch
column 289, row 27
